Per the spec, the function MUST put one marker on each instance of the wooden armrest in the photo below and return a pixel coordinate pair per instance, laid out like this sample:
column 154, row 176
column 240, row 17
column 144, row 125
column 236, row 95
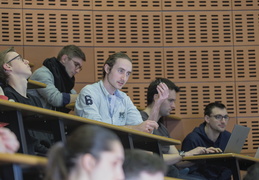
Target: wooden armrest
column 35, row 84
column 24, row 159
column 71, row 106
column 170, row 178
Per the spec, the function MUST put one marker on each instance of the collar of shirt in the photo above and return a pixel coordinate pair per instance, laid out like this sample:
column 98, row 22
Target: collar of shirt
column 107, row 94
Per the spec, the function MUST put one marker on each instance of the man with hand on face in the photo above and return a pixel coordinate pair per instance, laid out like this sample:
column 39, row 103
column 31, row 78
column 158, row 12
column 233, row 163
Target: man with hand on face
column 211, row 133
column 103, row 101
column 58, row 74
column 161, row 97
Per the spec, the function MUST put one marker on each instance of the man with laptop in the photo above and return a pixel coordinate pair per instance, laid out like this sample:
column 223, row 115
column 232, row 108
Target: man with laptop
column 211, row 133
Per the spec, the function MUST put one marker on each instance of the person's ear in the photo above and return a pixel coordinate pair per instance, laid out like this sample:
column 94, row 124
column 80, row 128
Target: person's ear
column 207, row 118
column 107, row 68
column 6, row 67
column 88, row 162
column 156, row 96
column 64, row 59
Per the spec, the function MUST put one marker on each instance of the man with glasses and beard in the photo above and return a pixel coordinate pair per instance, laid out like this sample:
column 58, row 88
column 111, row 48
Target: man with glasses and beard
column 211, row 133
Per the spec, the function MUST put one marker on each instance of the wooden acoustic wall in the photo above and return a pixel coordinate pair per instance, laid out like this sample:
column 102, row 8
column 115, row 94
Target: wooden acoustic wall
column 208, row 48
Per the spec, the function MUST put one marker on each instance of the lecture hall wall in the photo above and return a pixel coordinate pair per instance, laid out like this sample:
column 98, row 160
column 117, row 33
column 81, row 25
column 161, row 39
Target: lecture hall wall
column 208, row 48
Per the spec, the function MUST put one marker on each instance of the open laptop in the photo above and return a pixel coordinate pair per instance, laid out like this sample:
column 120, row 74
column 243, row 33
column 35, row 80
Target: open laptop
column 236, row 140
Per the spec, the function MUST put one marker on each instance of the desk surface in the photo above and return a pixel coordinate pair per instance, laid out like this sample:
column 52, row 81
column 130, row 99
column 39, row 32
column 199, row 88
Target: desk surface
column 24, row 159
column 28, row 110
column 224, row 155
column 244, row 160
column 35, row 84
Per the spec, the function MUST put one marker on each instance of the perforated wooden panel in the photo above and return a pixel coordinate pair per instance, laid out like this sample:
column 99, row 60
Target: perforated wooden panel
column 252, row 141
column 11, row 27
column 246, row 27
column 193, row 97
column 147, row 63
column 58, row 27
column 11, row 3
column 58, row 4
column 197, row 29
column 127, row 28
column 196, row 5
column 18, row 49
column 201, row 64
column 137, row 93
column 245, row 5
column 247, row 98
column 127, row 5
column 246, row 63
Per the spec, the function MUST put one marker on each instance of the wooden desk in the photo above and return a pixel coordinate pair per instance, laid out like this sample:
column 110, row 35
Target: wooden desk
column 35, row 84
column 12, row 164
column 130, row 138
column 235, row 162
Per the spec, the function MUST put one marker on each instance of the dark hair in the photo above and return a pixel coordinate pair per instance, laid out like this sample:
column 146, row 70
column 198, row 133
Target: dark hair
column 209, row 107
column 137, row 161
column 151, row 91
column 252, row 172
column 71, row 51
column 3, row 74
column 90, row 139
column 113, row 58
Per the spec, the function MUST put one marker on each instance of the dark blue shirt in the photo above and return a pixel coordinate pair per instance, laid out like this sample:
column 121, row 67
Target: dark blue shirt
column 198, row 137
column 210, row 170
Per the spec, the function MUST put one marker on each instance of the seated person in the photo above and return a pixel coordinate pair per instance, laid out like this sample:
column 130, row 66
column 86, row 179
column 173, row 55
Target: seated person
column 58, row 74
column 103, row 101
column 8, row 141
column 141, row 165
column 14, row 73
column 161, row 97
column 211, row 133
column 90, row 153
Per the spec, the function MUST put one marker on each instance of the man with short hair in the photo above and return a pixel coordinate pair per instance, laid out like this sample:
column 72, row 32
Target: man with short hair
column 103, row 101
column 141, row 165
column 58, row 74
column 14, row 72
column 211, row 133
column 161, row 97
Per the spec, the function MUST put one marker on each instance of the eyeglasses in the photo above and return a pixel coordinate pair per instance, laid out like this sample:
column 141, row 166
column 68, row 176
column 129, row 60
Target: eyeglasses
column 18, row 56
column 77, row 65
column 220, row 117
